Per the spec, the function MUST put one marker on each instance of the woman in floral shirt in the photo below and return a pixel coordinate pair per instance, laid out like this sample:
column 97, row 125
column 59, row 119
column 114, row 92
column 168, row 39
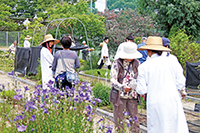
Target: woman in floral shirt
column 123, row 95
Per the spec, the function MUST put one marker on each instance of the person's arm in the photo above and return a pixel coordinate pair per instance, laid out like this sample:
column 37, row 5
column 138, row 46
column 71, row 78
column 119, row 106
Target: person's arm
column 141, row 81
column 180, row 78
column 113, row 79
column 77, row 63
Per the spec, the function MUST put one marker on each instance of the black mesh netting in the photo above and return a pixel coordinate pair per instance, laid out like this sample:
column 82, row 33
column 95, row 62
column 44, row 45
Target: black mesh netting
column 22, row 58
column 192, row 74
column 35, row 55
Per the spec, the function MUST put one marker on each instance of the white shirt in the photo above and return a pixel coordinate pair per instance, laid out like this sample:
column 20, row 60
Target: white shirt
column 27, row 44
column 104, row 52
column 161, row 77
column 46, row 60
column 120, row 47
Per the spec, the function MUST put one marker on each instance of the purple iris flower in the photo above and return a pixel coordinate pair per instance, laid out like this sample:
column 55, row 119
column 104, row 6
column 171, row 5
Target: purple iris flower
column 44, row 91
column 98, row 100
column 42, row 105
column 21, row 128
column 32, row 118
column 74, row 108
column 126, row 113
column 76, row 82
column 11, row 73
column 50, row 82
column 26, row 88
column 46, row 96
column 89, row 118
column 18, row 90
column 130, row 119
column 100, row 120
column 18, row 97
column 55, row 101
column 45, row 111
column 32, row 129
column 22, row 112
column 36, row 92
column 135, row 118
column 75, row 99
column 30, row 105
column 128, row 125
column 101, row 126
column 14, row 120
column 93, row 102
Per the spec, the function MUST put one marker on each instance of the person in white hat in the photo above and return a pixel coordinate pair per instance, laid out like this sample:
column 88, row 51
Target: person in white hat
column 46, row 59
column 161, row 77
column 123, row 80
column 27, row 44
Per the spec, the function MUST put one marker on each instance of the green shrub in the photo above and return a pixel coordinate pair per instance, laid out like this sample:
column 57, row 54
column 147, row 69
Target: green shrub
column 94, row 59
column 102, row 92
column 102, row 71
column 8, row 94
column 183, row 48
column 138, row 40
column 6, row 61
column 39, row 74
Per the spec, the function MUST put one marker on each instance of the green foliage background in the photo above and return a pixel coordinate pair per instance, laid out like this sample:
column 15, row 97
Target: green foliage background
column 184, row 48
column 102, row 92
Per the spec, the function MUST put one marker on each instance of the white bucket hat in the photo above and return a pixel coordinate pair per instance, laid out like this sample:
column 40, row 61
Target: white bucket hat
column 129, row 51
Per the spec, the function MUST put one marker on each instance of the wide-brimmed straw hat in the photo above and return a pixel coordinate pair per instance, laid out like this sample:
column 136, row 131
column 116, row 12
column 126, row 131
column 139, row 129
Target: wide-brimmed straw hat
column 154, row 43
column 129, row 51
column 28, row 37
column 49, row 37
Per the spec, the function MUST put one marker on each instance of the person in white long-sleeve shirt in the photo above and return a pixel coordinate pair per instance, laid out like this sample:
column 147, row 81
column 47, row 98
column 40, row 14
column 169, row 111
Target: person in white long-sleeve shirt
column 27, row 44
column 46, row 59
column 104, row 55
column 161, row 77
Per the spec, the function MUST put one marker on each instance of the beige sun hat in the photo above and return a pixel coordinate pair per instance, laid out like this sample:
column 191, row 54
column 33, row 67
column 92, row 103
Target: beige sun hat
column 129, row 51
column 154, row 43
column 28, row 37
column 49, row 37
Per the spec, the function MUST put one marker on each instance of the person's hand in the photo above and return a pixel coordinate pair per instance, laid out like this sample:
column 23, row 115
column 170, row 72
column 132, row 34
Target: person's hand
column 127, row 89
column 183, row 93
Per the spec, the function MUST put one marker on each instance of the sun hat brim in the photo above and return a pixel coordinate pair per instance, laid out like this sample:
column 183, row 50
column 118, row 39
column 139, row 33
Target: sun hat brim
column 56, row 41
column 28, row 38
column 154, row 47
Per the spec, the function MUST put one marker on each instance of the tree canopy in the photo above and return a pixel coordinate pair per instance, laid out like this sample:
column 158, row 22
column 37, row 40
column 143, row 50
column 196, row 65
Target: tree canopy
column 6, row 24
column 127, row 22
column 93, row 22
column 183, row 13
column 122, row 4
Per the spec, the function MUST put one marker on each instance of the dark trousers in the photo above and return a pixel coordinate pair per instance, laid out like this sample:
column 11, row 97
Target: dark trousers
column 101, row 64
column 129, row 105
column 63, row 83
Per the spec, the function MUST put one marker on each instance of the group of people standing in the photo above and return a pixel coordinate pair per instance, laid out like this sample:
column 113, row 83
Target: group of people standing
column 54, row 67
column 148, row 69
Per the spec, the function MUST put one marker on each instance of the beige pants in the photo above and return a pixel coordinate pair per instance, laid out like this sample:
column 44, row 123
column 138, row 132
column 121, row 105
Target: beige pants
column 129, row 105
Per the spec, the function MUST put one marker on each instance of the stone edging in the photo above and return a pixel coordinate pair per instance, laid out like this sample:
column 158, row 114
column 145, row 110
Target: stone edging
column 19, row 79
